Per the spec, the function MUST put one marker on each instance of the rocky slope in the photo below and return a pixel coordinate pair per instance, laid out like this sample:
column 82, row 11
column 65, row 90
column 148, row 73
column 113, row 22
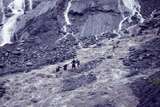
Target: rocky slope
column 145, row 60
column 147, row 6
column 101, row 80
column 119, row 67
column 34, row 42
column 40, row 39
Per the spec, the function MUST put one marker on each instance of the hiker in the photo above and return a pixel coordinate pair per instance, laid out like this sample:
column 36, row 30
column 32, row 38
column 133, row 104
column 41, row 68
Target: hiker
column 74, row 64
column 58, row 69
column 78, row 63
column 65, row 67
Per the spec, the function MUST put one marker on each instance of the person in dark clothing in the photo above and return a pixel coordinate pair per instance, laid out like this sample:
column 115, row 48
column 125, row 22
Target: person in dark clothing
column 58, row 69
column 78, row 63
column 74, row 64
column 65, row 67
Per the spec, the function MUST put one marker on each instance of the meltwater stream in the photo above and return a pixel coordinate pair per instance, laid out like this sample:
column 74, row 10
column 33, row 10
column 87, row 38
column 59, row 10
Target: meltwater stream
column 132, row 7
column 7, row 31
column 66, row 20
column 30, row 4
column 66, row 17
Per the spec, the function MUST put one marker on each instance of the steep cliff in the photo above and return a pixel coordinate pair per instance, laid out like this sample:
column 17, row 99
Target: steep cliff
column 116, row 42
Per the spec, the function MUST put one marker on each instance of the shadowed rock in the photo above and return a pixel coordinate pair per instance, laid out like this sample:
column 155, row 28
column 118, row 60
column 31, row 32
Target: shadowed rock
column 147, row 6
column 2, row 90
column 148, row 90
column 140, row 61
column 76, row 82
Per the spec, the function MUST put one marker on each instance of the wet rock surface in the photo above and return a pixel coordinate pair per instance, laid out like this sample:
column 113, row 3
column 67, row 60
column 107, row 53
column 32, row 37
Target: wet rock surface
column 39, row 47
column 94, row 17
column 114, row 72
column 145, row 57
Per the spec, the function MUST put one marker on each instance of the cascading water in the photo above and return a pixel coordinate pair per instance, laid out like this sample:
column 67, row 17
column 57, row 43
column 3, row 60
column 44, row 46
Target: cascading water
column 66, row 19
column 30, row 4
column 68, row 23
column 7, row 31
column 132, row 7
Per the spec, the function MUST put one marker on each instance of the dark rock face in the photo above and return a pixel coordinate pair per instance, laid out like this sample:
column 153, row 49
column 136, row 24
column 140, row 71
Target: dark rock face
column 143, row 60
column 148, row 54
column 140, row 60
column 148, row 90
column 39, row 46
column 145, row 57
column 147, row 6
column 32, row 55
column 93, row 101
column 89, row 19
column 94, row 17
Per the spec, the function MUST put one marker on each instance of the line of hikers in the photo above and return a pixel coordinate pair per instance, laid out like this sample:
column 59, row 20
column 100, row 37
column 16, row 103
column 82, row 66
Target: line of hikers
column 75, row 64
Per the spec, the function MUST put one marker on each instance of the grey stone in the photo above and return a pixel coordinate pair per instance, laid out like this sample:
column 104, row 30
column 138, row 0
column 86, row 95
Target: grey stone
column 73, row 83
column 29, row 64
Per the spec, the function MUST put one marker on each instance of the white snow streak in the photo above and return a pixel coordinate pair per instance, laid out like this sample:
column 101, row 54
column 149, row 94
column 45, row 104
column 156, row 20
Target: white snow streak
column 67, row 21
column 66, row 13
column 17, row 8
column 30, row 4
column 66, row 17
column 133, row 7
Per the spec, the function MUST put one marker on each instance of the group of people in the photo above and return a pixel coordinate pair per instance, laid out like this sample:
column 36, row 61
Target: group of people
column 75, row 64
